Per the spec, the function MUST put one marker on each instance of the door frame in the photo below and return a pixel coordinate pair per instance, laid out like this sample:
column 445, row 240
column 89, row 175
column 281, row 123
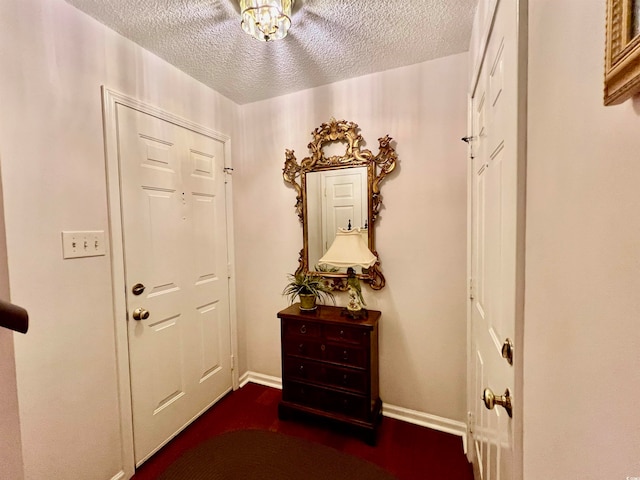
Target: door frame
column 110, row 101
column 483, row 34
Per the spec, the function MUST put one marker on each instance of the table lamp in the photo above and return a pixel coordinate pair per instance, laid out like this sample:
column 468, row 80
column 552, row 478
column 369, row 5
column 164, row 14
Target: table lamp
column 349, row 250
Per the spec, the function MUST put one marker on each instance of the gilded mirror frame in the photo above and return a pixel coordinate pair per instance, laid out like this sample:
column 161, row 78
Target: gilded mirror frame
column 378, row 167
column 622, row 52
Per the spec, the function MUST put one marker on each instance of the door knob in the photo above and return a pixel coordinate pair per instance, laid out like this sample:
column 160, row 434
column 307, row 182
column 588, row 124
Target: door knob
column 490, row 400
column 140, row 314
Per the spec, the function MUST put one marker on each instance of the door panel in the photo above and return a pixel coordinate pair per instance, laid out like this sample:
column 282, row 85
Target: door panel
column 209, row 318
column 174, row 235
column 209, row 275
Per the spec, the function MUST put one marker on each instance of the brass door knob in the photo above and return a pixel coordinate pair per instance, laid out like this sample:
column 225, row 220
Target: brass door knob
column 140, row 314
column 490, row 400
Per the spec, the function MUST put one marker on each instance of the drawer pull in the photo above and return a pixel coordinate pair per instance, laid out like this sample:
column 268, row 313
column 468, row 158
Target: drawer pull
column 342, row 333
column 301, row 369
column 345, row 355
column 345, row 379
column 301, row 348
column 322, row 347
column 303, row 329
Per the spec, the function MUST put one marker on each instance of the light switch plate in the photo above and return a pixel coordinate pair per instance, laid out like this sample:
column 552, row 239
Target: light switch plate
column 83, row 244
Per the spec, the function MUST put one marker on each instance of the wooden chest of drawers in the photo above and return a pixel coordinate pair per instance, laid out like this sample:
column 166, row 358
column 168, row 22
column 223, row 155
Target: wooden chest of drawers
column 330, row 367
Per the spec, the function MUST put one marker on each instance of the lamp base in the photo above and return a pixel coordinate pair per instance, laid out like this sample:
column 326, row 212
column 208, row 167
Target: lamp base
column 354, row 314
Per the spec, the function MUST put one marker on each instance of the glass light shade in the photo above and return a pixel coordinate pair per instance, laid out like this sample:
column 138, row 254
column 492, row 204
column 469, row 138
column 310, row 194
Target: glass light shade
column 266, row 19
column 348, row 250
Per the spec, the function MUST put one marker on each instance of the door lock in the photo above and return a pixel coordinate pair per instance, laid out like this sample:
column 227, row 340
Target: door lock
column 507, row 351
column 137, row 289
column 490, row 400
column 140, row 314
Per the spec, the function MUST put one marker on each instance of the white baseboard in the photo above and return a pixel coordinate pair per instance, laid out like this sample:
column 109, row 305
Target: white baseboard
column 261, row 379
column 428, row 420
column 118, row 476
column 433, row 422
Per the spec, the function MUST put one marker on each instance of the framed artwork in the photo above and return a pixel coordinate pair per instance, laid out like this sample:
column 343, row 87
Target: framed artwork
column 622, row 55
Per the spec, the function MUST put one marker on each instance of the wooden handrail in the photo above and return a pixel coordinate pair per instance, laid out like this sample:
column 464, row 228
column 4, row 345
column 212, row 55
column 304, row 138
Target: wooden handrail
column 13, row 317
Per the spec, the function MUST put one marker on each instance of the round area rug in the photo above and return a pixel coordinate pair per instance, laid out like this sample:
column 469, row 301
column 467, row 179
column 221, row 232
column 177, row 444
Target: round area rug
column 265, row 455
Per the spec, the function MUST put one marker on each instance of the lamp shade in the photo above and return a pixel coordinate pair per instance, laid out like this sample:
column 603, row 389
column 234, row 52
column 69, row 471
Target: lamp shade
column 348, row 250
column 266, row 19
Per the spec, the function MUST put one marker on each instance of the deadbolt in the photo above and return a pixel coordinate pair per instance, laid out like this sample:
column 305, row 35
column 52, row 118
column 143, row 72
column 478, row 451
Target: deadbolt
column 140, row 314
column 490, row 400
column 137, row 289
column 507, row 351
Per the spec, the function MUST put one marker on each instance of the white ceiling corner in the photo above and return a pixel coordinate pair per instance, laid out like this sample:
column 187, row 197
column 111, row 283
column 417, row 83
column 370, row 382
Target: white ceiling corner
column 329, row 41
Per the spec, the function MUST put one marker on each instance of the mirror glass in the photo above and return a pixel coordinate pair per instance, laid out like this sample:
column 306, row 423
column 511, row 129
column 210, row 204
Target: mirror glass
column 338, row 186
column 335, row 199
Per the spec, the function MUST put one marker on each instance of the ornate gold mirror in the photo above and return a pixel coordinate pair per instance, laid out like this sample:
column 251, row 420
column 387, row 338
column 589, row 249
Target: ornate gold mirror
column 338, row 191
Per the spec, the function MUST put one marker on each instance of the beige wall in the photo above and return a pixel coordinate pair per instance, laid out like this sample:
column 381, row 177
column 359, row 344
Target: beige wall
column 421, row 233
column 582, row 316
column 10, row 443
column 54, row 60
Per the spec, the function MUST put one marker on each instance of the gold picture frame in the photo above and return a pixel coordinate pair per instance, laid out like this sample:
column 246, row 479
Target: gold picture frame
column 622, row 52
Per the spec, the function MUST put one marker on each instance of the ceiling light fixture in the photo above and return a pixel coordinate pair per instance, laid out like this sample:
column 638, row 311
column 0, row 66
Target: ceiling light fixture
column 266, row 20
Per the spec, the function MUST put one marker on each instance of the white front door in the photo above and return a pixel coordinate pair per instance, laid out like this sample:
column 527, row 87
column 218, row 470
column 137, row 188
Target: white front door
column 174, row 237
column 496, row 210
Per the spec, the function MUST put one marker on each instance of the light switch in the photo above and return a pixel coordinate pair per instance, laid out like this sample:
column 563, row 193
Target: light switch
column 83, row 244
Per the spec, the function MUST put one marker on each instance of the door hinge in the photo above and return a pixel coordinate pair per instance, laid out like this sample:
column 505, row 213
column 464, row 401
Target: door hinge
column 233, row 363
column 469, row 141
column 471, row 289
column 228, row 171
column 229, row 274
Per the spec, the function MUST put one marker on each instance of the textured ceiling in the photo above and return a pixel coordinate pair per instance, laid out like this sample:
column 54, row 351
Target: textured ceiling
column 330, row 40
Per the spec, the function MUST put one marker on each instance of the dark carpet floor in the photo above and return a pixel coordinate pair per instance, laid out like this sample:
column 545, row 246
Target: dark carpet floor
column 265, row 455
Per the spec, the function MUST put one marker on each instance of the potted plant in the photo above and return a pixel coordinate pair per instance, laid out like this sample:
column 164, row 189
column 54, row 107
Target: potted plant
column 308, row 288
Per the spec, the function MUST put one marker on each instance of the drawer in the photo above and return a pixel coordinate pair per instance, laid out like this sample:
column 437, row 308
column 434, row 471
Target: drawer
column 303, row 394
column 300, row 328
column 345, row 355
column 346, row 334
column 355, row 380
column 303, row 347
column 342, row 403
column 341, row 354
column 346, row 404
column 349, row 379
